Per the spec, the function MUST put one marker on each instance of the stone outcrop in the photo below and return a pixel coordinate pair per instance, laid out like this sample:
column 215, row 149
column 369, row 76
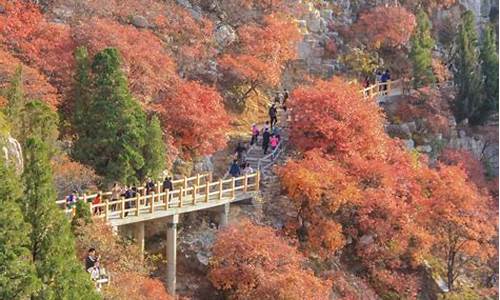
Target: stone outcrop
column 225, row 35
column 12, row 152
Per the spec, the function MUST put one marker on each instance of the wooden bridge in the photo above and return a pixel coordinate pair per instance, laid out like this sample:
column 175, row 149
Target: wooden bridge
column 194, row 194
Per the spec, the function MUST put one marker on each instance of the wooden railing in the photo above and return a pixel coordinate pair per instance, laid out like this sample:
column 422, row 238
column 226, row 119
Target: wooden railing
column 196, row 194
column 381, row 88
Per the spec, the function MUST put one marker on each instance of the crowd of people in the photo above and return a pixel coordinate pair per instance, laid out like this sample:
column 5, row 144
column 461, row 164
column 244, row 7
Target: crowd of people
column 378, row 77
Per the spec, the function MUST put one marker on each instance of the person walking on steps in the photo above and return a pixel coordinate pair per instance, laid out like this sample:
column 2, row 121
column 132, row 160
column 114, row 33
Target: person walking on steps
column 266, row 136
column 273, row 115
column 255, row 134
column 240, row 151
column 285, row 98
column 277, row 98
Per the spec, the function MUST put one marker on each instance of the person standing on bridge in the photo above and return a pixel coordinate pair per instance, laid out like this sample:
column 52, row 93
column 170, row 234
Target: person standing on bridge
column 386, row 77
column 235, row 169
column 265, row 140
column 247, row 170
column 116, row 191
column 273, row 115
column 167, row 184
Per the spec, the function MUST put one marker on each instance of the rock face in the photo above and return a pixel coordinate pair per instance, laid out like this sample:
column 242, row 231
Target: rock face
column 401, row 131
column 140, row 22
column 205, row 165
column 225, row 35
column 12, row 152
column 196, row 247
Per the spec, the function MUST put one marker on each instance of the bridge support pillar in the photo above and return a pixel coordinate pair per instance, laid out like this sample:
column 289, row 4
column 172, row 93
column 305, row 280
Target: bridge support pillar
column 224, row 215
column 139, row 236
column 172, row 222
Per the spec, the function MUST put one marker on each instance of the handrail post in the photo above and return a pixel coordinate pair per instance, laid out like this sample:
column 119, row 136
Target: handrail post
column 389, row 87
column 194, row 194
column 245, row 183
column 138, row 204
column 233, row 188
column 210, row 177
column 220, row 189
column 106, row 210
column 152, row 207
column 180, row 197
column 198, row 179
column 185, row 182
column 207, row 191
column 122, row 208
column 257, row 181
column 167, row 198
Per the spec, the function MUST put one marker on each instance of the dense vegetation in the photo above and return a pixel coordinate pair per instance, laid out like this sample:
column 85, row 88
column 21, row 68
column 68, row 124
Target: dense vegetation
column 100, row 91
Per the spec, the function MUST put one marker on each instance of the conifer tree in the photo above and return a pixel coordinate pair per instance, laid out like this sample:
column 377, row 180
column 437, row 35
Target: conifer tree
column 421, row 51
column 489, row 67
column 112, row 136
column 38, row 120
column 154, row 150
column 15, row 101
column 467, row 73
column 81, row 88
column 52, row 243
column 18, row 278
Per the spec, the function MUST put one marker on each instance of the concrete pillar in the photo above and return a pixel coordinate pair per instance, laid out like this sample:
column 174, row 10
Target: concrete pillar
column 172, row 222
column 139, row 236
column 224, row 216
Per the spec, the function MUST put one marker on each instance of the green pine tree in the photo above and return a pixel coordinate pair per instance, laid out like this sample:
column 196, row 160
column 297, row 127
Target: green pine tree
column 52, row 243
column 18, row 278
column 81, row 89
column 421, row 51
column 467, row 73
column 38, row 120
column 113, row 135
column 15, row 101
column 489, row 67
column 82, row 215
column 154, row 150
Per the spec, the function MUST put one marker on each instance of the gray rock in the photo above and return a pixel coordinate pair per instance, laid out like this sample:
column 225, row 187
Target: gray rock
column 225, row 35
column 424, row 149
column 13, row 152
column 184, row 3
column 401, row 131
column 409, row 144
column 2, row 9
column 140, row 22
column 204, row 165
column 366, row 240
column 412, row 126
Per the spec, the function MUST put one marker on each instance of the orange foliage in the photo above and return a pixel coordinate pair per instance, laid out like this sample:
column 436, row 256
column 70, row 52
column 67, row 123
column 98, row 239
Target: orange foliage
column 385, row 26
column 47, row 46
column 72, row 176
column 466, row 160
column 134, row 286
column 333, row 116
column 150, row 70
column 458, row 215
column 251, row 262
column 195, row 118
column 35, row 85
column 263, row 51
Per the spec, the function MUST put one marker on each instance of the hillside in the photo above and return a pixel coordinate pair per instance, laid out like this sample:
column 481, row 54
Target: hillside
column 120, row 121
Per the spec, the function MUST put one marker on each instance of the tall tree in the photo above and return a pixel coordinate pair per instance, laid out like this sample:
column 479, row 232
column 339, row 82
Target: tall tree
column 489, row 67
column 81, row 88
column 421, row 51
column 52, row 243
column 154, row 150
column 18, row 279
column 467, row 73
column 38, row 120
column 15, row 101
column 112, row 137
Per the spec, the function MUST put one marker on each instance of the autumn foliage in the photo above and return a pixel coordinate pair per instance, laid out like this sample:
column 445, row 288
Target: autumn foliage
column 195, row 118
column 250, row 262
column 385, row 26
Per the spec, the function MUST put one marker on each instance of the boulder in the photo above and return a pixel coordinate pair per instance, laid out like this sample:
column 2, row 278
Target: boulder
column 12, row 152
column 424, row 149
column 412, row 126
column 196, row 247
column 184, row 3
column 204, row 165
column 225, row 35
column 401, row 131
column 409, row 144
column 140, row 22
column 366, row 240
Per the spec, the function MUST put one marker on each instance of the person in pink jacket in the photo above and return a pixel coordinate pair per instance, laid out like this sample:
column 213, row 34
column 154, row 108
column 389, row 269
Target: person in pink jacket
column 274, row 142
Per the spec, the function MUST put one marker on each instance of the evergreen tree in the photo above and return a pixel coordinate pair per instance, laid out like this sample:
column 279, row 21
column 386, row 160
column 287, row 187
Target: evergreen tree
column 81, row 89
column 154, row 150
column 38, row 120
column 15, row 101
column 421, row 51
column 489, row 67
column 82, row 215
column 52, row 243
column 18, row 278
column 467, row 73
column 113, row 135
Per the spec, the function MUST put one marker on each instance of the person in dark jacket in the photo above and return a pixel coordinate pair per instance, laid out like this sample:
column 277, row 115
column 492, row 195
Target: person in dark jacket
column 150, row 186
column 273, row 115
column 266, row 136
column 240, row 150
column 285, row 98
column 91, row 259
column 235, row 169
column 167, row 184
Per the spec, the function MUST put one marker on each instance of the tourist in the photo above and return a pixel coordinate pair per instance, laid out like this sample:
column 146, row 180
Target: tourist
column 150, row 186
column 235, row 169
column 129, row 194
column 285, row 98
column 240, row 152
column 116, row 191
column 274, row 142
column 247, row 170
column 255, row 134
column 167, row 184
column 265, row 140
column 367, row 82
column 91, row 260
column 277, row 98
column 273, row 115
column 97, row 200
column 71, row 199
column 386, row 77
